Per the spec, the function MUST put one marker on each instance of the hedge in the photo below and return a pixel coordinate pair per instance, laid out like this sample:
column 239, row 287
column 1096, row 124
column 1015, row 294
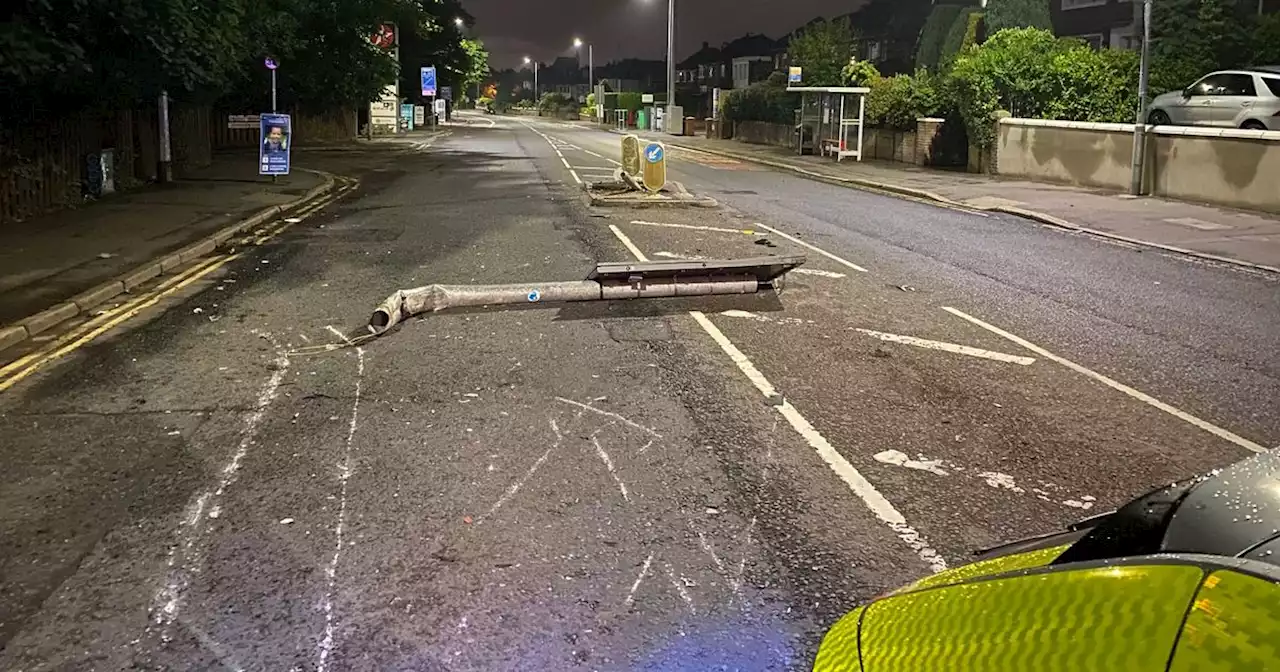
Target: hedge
column 934, row 33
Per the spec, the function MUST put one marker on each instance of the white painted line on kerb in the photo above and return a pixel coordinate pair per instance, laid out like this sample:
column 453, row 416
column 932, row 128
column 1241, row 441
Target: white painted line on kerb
column 1136, row 394
column 876, row 502
column 950, row 347
column 815, row 248
column 693, row 227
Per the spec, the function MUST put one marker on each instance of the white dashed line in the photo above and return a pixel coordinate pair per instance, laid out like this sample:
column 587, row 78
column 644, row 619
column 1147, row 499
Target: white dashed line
column 1136, row 394
column 694, row 227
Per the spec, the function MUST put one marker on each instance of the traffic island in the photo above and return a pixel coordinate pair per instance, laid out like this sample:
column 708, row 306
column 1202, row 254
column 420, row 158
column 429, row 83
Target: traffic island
column 623, row 193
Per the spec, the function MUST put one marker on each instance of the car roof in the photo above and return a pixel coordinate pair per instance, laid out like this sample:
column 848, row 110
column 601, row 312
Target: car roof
column 1258, row 70
column 1231, row 511
column 1267, row 69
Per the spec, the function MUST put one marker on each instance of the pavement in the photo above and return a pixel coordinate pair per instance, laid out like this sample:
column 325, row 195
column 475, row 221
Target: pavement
column 237, row 477
column 49, row 259
column 1214, row 232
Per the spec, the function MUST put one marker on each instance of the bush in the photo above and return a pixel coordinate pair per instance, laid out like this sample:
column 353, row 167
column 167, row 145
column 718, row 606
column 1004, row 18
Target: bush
column 554, row 102
column 1030, row 73
column 933, row 34
column 629, row 101
column 763, row 101
column 896, row 102
column 860, row 73
column 1002, row 14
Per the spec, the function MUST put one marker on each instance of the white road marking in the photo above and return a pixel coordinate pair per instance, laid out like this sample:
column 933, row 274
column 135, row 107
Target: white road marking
column 575, row 176
column 1136, row 394
column 169, row 597
column 950, row 347
column 608, row 463
column 876, row 502
column 680, row 588
column 693, row 227
column 631, row 596
column 818, row 272
column 996, row 479
column 515, row 487
column 344, row 475
column 566, row 163
column 673, row 255
column 610, row 414
column 815, row 248
column 860, row 486
column 598, row 156
column 626, row 242
column 900, row 459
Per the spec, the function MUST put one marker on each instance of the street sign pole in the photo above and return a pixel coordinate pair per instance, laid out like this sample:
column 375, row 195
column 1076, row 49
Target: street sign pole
column 273, row 91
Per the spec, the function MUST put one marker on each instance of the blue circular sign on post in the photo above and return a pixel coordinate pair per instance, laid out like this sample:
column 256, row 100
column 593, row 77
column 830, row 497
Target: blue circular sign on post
column 270, row 63
column 653, row 153
column 534, row 296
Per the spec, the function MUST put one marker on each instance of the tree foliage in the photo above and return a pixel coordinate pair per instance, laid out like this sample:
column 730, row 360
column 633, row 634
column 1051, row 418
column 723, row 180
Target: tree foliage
column 822, row 49
column 897, row 102
column 1001, row 14
column 766, row 101
column 1030, row 73
column 1190, row 38
column 962, row 35
column 934, row 34
column 62, row 55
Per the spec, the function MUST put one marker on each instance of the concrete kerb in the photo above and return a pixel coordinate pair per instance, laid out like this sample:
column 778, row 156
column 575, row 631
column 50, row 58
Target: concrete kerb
column 83, row 302
column 1023, row 213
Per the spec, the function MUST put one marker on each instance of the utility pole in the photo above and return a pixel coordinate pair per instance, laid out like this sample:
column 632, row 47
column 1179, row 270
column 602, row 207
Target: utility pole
column 671, row 56
column 591, row 68
column 166, row 152
column 1140, row 125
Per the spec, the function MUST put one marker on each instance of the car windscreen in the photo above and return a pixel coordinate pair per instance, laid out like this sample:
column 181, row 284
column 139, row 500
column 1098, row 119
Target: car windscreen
column 1137, row 528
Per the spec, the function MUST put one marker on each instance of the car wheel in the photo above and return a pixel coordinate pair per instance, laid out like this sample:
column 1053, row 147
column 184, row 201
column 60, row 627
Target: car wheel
column 1253, row 125
column 1158, row 118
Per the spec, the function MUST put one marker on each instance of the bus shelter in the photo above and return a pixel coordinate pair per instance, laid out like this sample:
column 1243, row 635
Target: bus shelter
column 830, row 119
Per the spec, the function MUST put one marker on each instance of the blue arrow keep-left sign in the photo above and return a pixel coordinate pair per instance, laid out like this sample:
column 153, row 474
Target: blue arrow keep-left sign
column 653, row 153
column 429, row 81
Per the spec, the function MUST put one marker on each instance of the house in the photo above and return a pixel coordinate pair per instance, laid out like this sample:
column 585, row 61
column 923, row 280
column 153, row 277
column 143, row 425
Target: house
column 694, row 72
column 887, row 32
column 1114, row 24
column 748, row 59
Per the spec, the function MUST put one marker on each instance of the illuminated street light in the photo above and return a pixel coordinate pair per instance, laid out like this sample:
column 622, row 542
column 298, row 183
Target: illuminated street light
column 527, row 61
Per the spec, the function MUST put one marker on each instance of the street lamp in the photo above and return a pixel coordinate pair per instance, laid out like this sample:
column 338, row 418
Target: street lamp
column 591, row 62
column 671, row 56
column 458, row 22
column 527, row 61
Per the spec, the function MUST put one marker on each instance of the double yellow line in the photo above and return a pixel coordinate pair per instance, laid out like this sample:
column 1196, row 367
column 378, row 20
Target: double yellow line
column 14, row 372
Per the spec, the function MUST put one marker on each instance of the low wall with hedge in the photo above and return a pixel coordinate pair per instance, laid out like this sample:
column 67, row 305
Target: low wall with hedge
column 763, row 133
column 1229, row 167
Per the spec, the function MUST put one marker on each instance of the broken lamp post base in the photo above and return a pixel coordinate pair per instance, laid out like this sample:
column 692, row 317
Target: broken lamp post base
column 609, row 281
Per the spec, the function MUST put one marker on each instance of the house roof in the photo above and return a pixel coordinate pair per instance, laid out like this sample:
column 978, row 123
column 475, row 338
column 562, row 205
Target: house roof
column 707, row 54
column 751, row 44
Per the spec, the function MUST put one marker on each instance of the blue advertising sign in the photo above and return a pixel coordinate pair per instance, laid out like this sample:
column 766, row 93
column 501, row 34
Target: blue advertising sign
column 653, row 153
column 406, row 116
column 273, row 148
column 428, row 81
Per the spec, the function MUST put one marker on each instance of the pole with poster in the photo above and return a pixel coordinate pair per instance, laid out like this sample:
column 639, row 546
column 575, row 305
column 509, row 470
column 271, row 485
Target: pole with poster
column 273, row 146
column 428, row 76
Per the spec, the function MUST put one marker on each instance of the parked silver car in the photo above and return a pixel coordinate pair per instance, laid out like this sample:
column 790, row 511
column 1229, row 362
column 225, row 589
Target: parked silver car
column 1227, row 98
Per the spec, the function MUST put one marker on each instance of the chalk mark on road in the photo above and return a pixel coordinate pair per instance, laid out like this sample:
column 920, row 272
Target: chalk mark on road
column 168, row 600
column 608, row 463
column 515, row 487
column 345, row 469
column 644, row 571
column 610, row 414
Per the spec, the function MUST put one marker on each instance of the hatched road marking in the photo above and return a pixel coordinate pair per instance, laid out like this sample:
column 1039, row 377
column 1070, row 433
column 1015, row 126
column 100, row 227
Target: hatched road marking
column 1136, row 394
column 876, row 502
column 950, row 347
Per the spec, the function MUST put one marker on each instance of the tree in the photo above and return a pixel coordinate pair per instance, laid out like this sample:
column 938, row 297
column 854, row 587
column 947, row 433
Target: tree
column 1001, row 14
column 1190, row 38
column 934, row 33
column 822, row 49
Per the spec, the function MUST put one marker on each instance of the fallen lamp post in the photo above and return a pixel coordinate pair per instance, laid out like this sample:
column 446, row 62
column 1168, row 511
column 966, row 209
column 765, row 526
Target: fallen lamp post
column 609, row 281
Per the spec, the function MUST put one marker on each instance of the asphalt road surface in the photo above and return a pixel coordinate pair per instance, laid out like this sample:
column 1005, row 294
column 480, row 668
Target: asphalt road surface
column 238, row 479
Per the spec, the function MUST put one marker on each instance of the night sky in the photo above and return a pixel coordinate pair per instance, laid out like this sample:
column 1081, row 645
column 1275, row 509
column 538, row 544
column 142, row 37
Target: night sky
column 544, row 29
